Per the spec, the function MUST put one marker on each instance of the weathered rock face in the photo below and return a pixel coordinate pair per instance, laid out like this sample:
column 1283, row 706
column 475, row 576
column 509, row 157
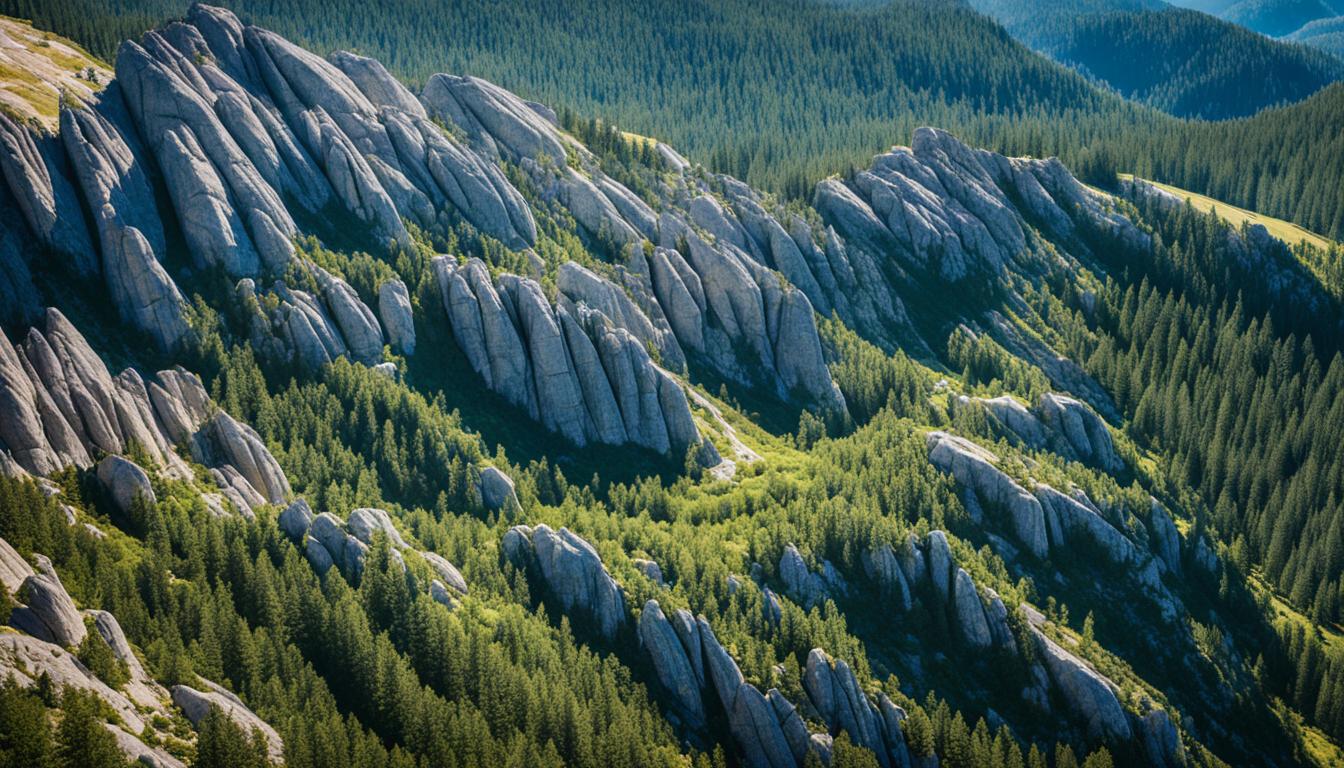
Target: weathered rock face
column 365, row 522
column 47, row 612
column 225, row 441
column 573, row 573
column 575, row 372
column 446, row 571
column 882, row 566
column 124, row 482
column 1091, row 696
column 974, row 467
column 1078, row 520
column 295, row 519
column 116, row 191
column 230, row 216
column 43, row 197
column 1079, row 431
column 947, row 211
column 13, row 568
column 670, row 661
column 801, row 584
column 970, row 613
column 579, row 285
column 196, row 704
column 837, row 697
column 940, row 564
column 1166, row 539
column 394, row 309
column 496, row 490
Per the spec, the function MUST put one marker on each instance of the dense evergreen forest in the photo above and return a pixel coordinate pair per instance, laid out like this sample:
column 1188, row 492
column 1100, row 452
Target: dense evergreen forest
column 785, row 94
column 1269, row 17
column 1134, row 556
column 1183, row 62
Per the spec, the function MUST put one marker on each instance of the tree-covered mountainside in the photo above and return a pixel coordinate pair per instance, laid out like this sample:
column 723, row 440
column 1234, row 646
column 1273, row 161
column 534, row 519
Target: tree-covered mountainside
column 349, row 423
column 1324, row 34
column 783, row 94
column 1269, row 17
column 1183, row 62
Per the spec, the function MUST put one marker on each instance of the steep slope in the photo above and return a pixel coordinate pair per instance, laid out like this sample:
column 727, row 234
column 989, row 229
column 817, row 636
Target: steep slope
column 1325, row 34
column 1027, row 487
column 1183, row 62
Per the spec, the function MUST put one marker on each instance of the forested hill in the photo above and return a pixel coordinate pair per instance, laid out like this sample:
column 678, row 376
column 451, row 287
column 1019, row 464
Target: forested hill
column 786, row 92
column 1325, row 34
column 352, row 426
column 1187, row 63
column 1269, row 17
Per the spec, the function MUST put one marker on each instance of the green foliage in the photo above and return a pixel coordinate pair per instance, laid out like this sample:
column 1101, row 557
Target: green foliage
column 784, row 94
column 97, row 655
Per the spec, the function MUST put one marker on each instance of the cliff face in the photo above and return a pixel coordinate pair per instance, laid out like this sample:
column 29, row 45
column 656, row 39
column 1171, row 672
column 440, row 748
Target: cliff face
column 600, row 309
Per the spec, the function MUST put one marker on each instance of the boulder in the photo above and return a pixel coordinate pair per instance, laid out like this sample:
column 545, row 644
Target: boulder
column 497, row 491
column 1166, row 540
column 754, row 726
column 318, row 555
column 451, row 577
column 882, row 566
column 575, row 575
column 196, row 704
column 225, row 441
column 438, row 592
column 365, row 522
column 296, row 519
column 806, row 587
column 394, row 308
column 650, row 570
column 123, row 482
column 47, row 612
column 837, row 697
column 357, row 323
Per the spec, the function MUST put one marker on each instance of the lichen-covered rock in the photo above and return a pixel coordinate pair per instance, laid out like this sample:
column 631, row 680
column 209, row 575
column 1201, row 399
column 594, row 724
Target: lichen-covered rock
column 394, row 309
column 974, row 467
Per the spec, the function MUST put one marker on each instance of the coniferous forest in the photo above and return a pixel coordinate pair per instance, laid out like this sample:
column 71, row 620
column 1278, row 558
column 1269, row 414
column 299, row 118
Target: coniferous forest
column 767, row 383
